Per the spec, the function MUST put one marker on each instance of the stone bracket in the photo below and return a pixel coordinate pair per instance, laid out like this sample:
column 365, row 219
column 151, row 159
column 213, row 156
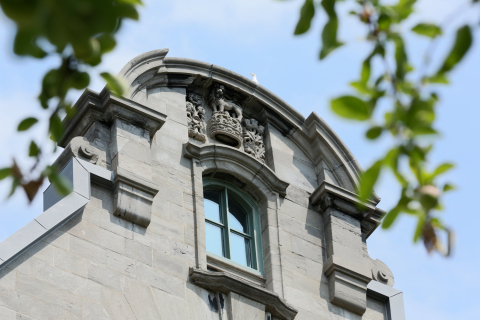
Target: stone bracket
column 133, row 197
column 225, row 282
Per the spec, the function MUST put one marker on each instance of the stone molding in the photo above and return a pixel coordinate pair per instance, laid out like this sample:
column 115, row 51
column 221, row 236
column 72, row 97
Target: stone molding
column 233, row 157
column 133, row 197
column 81, row 148
column 105, row 107
column 329, row 195
column 225, row 283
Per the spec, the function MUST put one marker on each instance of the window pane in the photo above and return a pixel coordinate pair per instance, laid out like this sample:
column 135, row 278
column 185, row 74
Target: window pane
column 214, row 239
column 212, row 205
column 237, row 217
column 240, row 249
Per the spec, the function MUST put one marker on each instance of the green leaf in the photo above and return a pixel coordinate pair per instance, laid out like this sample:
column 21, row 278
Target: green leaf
column 113, row 83
column 368, row 180
column 5, row 172
column 107, row 42
column 33, row 150
column 400, row 57
column 329, row 33
column 132, row 2
column 439, row 78
column 351, row 107
column 419, row 228
column 390, row 218
column 463, row 41
column 56, row 128
column 442, row 168
column 447, row 187
column 27, row 123
column 306, row 15
column 61, row 184
column 15, row 184
column 374, row 132
column 79, row 80
column 427, row 29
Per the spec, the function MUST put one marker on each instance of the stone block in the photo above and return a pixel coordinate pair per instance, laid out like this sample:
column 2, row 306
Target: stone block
column 71, row 263
column 98, row 236
column 376, row 309
column 92, row 310
column 90, row 290
column 130, row 131
column 136, row 151
column 152, row 239
column 174, row 129
column 202, row 304
column 165, row 140
column 161, row 280
column 168, row 228
column 183, row 251
column 177, row 113
column 170, row 159
column 298, row 298
column 58, row 239
column 241, row 307
column 32, row 307
column 138, row 251
column 171, row 193
column 57, row 277
column 7, row 314
column 106, row 220
column 172, row 307
column 182, row 215
column 86, row 250
column 8, row 278
column 104, row 276
column 307, row 249
column 48, row 293
column 301, row 230
column 121, row 264
column 116, row 305
column 170, row 265
column 160, row 208
column 141, row 299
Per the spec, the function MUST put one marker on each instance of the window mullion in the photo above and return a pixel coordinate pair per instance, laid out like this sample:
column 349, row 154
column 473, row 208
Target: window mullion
column 226, row 230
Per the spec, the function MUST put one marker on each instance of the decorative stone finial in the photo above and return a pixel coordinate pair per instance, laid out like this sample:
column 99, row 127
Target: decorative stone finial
column 253, row 139
column 196, row 117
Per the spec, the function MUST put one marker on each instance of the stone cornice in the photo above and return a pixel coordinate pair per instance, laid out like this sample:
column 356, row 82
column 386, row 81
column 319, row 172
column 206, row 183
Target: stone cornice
column 329, row 195
column 104, row 107
column 225, row 283
column 222, row 153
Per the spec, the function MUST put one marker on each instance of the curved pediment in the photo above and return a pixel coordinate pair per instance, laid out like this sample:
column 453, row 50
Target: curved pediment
column 318, row 155
column 231, row 160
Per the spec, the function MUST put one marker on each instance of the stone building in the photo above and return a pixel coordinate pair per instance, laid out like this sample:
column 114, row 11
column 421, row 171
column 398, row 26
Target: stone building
column 199, row 194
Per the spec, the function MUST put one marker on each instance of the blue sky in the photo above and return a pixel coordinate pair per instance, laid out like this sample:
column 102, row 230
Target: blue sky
column 257, row 36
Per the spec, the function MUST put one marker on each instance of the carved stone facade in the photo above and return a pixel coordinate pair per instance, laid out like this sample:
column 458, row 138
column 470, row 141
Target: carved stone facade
column 130, row 241
column 253, row 139
column 196, row 117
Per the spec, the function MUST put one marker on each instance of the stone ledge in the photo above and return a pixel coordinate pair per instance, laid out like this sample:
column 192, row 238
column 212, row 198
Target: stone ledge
column 104, row 107
column 329, row 195
column 225, row 265
column 225, row 283
column 218, row 152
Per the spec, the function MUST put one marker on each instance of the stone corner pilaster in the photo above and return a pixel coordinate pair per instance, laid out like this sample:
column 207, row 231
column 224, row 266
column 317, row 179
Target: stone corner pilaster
column 347, row 269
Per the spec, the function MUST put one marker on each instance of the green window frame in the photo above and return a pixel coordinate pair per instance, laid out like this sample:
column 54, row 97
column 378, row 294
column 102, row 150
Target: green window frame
column 225, row 206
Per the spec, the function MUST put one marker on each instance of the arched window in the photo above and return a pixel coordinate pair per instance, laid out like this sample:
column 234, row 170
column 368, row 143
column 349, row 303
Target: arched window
column 232, row 225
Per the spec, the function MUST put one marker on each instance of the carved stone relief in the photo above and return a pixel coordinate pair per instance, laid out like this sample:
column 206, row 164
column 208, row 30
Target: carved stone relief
column 225, row 123
column 196, row 117
column 253, row 139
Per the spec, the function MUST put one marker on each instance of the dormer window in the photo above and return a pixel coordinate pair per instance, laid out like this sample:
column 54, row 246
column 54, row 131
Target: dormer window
column 231, row 224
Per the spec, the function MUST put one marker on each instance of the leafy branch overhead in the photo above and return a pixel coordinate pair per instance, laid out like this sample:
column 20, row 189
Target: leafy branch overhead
column 79, row 32
column 412, row 100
